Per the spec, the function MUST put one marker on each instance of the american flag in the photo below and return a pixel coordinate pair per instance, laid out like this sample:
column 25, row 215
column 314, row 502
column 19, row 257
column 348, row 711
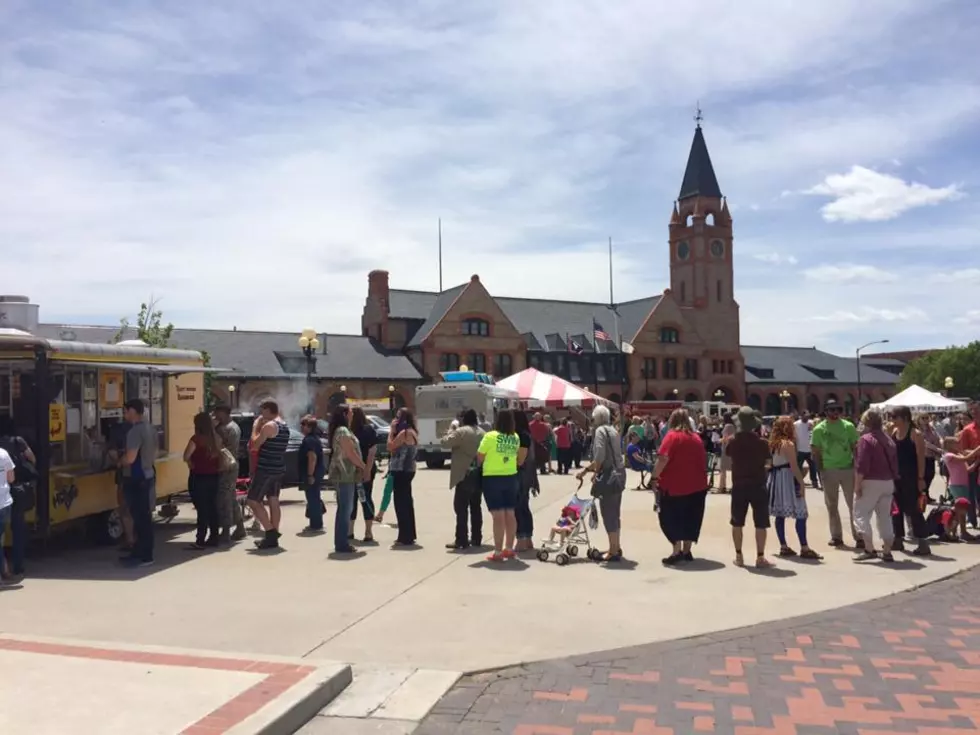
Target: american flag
column 598, row 332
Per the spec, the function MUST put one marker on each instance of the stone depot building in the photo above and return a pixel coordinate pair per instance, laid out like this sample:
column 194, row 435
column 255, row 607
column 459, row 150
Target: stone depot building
column 685, row 340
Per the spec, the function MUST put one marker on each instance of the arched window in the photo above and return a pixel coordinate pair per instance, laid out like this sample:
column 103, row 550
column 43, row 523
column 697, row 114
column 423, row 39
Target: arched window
column 774, row 405
column 755, row 401
column 669, row 335
column 718, row 291
column 792, row 403
column 448, row 362
column 848, row 405
column 336, row 399
column 670, row 368
column 477, row 362
column 691, row 398
column 812, row 404
column 614, row 397
column 649, row 397
column 502, row 366
column 832, row 397
column 397, row 400
column 476, row 327
column 709, row 219
column 689, row 220
column 726, row 394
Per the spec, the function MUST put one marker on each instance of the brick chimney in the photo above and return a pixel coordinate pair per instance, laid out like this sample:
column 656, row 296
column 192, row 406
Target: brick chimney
column 374, row 320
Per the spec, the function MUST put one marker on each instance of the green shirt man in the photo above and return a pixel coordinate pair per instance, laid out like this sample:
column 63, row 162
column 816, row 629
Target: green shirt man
column 834, row 441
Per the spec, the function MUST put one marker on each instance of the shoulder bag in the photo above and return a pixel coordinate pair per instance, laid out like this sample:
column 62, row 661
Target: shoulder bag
column 609, row 479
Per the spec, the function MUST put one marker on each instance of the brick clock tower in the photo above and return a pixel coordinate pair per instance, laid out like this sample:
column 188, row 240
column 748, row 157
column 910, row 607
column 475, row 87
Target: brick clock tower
column 701, row 267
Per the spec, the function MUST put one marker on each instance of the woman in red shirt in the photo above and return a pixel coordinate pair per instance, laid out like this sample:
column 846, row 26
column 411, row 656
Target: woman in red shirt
column 683, row 484
column 203, row 457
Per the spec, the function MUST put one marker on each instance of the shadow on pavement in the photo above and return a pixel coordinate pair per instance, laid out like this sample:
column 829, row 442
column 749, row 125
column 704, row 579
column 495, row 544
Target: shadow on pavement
column 623, row 565
column 511, row 565
column 346, row 555
column 777, row 572
column 699, row 565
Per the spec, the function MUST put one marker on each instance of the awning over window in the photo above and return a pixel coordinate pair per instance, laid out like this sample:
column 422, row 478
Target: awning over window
column 138, row 367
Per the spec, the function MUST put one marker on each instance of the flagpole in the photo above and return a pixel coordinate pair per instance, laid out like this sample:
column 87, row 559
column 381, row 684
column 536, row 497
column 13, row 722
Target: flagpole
column 440, row 255
column 612, row 300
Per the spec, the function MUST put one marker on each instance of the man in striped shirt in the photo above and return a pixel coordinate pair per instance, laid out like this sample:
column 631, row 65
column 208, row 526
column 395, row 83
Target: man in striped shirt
column 270, row 443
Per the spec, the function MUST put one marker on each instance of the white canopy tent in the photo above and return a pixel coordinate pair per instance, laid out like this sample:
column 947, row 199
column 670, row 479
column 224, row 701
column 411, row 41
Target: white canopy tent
column 917, row 398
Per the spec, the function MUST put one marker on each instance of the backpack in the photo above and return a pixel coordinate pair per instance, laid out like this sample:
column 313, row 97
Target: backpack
column 25, row 474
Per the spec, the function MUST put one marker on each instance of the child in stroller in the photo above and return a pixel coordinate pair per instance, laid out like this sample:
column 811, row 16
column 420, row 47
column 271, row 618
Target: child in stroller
column 572, row 529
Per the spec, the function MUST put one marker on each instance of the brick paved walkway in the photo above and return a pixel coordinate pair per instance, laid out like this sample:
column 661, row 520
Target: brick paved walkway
column 909, row 663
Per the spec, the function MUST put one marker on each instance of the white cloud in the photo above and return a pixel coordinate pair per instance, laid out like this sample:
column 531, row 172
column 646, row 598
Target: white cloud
column 972, row 317
column 863, row 195
column 868, row 314
column 848, row 273
column 776, row 258
column 963, row 275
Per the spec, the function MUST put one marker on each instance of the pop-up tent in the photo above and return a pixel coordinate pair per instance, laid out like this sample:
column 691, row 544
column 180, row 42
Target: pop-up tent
column 917, row 398
column 541, row 389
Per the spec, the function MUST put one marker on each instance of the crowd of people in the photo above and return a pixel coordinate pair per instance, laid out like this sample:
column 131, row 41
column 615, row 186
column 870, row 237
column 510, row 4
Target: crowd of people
column 882, row 465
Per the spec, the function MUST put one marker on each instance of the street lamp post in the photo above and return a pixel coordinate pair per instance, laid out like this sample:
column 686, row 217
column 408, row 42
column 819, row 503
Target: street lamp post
column 948, row 385
column 719, row 395
column 309, row 344
column 391, row 402
column 857, row 360
column 231, row 396
column 785, row 395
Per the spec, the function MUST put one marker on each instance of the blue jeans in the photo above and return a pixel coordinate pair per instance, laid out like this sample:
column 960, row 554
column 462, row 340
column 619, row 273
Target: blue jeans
column 314, row 504
column 137, row 492
column 346, row 492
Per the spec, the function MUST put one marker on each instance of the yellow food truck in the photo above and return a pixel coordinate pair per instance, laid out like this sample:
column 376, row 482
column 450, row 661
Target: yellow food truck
column 65, row 397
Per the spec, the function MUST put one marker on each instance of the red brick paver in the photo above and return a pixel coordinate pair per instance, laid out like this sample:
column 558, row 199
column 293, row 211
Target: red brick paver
column 278, row 676
column 909, row 663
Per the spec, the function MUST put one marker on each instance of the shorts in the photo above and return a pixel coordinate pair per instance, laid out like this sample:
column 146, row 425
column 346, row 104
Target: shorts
column 754, row 496
column 500, row 492
column 960, row 492
column 610, row 508
column 264, row 485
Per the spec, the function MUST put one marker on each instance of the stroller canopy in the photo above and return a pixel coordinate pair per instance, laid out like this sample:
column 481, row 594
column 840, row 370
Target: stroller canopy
column 541, row 389
column 920, row 399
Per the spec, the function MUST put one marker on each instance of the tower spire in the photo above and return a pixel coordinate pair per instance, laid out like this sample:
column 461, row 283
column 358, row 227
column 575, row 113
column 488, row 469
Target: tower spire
column 699, row 176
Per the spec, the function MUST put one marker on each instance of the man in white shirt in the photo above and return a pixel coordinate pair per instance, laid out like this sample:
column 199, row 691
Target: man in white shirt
column 6, row 500
column 803, row 430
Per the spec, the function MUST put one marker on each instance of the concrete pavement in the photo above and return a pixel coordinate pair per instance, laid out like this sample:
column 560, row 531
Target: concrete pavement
column 428, row 609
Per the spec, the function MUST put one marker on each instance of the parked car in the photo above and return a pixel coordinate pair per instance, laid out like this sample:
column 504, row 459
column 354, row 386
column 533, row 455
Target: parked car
column 245, row 422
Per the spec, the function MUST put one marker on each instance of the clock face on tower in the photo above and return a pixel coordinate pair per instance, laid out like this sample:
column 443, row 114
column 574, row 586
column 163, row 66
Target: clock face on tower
column 717, row 248
column 683, row 251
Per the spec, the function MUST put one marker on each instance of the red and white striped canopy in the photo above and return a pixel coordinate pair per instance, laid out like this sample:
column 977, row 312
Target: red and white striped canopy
column 542, row 389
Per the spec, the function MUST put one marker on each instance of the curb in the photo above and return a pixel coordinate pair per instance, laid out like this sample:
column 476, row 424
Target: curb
column 287, row 714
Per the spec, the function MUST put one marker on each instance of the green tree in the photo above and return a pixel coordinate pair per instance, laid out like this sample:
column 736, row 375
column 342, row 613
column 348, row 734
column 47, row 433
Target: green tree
column 930, row 371
column 149, row 326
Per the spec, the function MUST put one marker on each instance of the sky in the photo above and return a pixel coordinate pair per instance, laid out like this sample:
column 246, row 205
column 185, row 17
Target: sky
column 247, row 163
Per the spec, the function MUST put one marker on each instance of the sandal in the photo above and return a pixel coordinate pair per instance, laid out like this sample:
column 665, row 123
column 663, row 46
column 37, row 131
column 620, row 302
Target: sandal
column 739, row 559
column 508, row 553
column 618, row 556
column 496, row 557
column 886, row 556
column 810, row 554
column 866, row 556
column 786, row 551
column 673, row 559
column 762, row 562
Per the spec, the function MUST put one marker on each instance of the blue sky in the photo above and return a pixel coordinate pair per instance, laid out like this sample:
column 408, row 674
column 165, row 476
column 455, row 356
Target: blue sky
column 248, row 163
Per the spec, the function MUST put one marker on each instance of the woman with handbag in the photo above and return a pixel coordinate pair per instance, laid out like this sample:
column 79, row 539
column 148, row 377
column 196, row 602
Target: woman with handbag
column 610, row 478
column 203, row 456
column 682, row 478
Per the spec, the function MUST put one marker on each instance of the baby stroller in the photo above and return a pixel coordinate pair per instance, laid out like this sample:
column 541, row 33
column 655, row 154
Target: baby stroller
column 581, row 516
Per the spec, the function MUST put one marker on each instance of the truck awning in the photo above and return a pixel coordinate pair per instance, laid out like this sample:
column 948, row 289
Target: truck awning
column 139, row 367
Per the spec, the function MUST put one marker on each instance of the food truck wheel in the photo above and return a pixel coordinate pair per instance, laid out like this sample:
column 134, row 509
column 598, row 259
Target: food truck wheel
column 435, row 463
column 105, row 528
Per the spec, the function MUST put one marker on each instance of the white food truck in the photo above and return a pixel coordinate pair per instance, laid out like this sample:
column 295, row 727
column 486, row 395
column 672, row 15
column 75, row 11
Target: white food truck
column 437, row 405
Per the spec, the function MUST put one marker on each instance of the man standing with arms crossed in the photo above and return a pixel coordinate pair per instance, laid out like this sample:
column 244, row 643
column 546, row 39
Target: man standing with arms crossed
column 139, row 481
column 270, row 467
column 832, row 445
